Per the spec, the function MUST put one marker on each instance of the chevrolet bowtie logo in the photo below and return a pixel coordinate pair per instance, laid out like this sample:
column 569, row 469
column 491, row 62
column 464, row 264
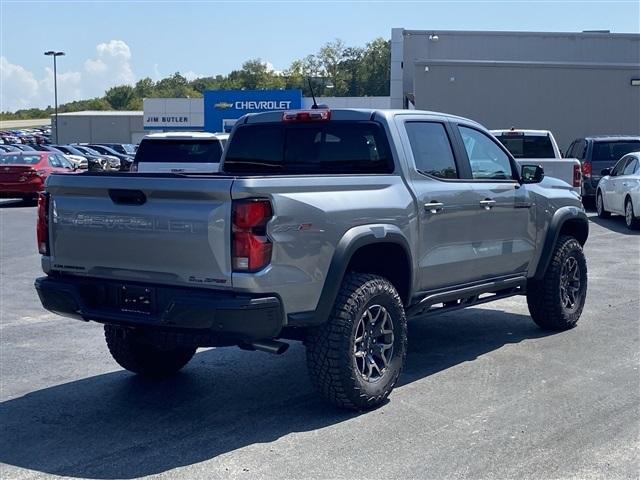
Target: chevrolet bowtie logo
column 223, row 105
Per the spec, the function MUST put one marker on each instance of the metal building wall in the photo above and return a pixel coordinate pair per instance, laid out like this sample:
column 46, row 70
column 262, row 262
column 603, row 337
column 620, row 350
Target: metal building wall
column 99, row 127
column 570, row 100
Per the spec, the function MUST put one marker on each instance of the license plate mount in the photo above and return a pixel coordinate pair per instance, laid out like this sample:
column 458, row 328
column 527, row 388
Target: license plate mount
column 137, row 299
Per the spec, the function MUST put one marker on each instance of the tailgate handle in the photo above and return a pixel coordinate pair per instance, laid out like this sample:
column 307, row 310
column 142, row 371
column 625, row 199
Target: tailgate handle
column 127, row 197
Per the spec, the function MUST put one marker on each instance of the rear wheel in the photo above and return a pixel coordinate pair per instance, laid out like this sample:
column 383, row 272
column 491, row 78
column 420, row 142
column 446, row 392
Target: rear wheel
column 629, row 215
column 556, row 301
column 143, row 358
column 602, row 213
column 356, row 357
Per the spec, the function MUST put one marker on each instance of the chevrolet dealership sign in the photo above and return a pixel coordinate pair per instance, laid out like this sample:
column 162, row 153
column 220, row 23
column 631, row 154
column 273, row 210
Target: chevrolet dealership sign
column 223, row 107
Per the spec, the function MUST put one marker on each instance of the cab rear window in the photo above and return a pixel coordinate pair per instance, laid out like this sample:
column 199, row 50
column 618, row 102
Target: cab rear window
column 314, row 148
column 179, row 151
column 528, row 146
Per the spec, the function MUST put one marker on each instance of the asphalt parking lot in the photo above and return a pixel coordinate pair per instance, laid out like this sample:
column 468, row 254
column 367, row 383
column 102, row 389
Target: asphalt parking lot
column 485, row 394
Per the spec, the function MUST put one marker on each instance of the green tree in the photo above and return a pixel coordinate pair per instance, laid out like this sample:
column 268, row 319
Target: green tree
column 120, row 97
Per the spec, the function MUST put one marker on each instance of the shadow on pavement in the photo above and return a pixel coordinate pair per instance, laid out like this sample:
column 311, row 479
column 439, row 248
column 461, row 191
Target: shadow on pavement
column 117, row 425
column 615, row 224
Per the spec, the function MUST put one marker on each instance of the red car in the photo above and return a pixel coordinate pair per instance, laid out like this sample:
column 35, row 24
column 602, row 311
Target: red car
column 22, row 174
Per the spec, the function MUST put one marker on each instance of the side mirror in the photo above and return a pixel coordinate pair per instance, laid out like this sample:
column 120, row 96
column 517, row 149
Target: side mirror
column 606, row 171
column 531, row 174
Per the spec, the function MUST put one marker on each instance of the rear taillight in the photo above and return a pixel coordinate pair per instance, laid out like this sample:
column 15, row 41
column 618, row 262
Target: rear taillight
column 586, row 169
column 133, row 167
column 577, row 176
column 306, row 116
column 42, row 228
column 251, row 248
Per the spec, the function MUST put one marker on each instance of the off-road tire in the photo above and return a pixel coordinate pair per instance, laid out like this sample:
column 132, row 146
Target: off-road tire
column 602, row 213
column 330, row 347
column 632, row 223
column 544, row 295
column 143, row 358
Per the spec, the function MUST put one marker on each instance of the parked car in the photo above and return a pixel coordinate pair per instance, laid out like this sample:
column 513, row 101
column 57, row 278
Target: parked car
column 328, row 226
column 597, row 153
column 539, row 147
column 619, row 190
column 125, row 160
column 24, row 147
column 109, row 161
column 78, row 161
column 180, row 152
column 95, row 163
column 8, row 149
column 122, row 148
column 22, row 175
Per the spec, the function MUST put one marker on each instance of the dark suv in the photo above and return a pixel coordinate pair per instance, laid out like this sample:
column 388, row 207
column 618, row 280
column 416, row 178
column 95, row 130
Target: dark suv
column 597, row 153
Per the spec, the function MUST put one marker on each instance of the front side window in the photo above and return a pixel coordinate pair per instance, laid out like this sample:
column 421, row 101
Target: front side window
column 617, row 169
column 487, row 160
column 54, row 161
column 431, row 149
column 631, row 167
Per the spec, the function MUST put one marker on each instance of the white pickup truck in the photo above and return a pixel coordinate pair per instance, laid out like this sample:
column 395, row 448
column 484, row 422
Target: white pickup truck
column 539, row 147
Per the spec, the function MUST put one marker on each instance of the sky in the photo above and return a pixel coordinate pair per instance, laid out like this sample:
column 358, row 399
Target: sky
column 116, row 42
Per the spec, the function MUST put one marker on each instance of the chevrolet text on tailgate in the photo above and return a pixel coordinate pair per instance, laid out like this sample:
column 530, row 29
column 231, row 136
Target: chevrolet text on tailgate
column 327, row 226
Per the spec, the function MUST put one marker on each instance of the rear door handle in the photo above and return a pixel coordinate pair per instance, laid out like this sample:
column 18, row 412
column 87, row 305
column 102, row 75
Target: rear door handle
column 487, row 203
column 127, row 197
column 433, row 207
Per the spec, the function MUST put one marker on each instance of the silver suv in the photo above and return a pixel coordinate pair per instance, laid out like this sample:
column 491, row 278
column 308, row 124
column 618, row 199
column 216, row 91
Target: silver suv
column 332, row 227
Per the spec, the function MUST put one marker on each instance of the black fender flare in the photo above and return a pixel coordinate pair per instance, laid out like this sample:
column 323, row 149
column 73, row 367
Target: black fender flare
column 559, row 219
column 349, row 244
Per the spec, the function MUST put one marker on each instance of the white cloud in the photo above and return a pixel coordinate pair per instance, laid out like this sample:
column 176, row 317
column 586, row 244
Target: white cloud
column 21, row 88
column 18, row 86
column 191, row 75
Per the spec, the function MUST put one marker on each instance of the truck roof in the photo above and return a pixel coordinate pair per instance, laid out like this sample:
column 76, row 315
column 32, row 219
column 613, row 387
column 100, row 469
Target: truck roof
column 354, row 114
column 187, row 136
column 527, row 132
column 612, row 137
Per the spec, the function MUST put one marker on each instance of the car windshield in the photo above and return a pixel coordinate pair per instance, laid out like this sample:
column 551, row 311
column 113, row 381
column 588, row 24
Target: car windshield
column 339, row 147
column 19, row 159
column 130, row 149
column 528, row 146
column 614, row 150
column 88, row 150
column 179, row 151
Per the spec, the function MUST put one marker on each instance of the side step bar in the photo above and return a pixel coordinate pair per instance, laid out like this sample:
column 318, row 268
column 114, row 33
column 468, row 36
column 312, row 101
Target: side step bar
column 450, row 300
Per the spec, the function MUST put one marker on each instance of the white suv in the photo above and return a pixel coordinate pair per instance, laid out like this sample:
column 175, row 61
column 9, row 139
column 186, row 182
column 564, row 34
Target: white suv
column 180, row 152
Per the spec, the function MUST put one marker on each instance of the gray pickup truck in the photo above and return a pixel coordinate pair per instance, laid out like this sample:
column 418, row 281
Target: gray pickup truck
column 327, row 226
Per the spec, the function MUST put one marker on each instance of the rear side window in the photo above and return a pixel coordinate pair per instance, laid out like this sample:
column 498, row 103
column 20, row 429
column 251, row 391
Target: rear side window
column 309, row 148
column 613, row 151
column 631, row 167
column 431, row 149
column 179, row 151
column 528, row 146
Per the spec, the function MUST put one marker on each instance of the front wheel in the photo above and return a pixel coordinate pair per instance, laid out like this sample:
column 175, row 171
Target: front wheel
column 556, row 301
column 143, row 358
column 602, row 213
column 629, row 216
column 355, row 358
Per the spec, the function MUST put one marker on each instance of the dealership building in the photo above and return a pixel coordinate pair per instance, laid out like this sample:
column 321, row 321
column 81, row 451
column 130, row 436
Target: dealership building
column 574, row 84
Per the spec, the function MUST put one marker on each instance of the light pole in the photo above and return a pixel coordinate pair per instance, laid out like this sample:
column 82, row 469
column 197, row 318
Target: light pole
column 54, row 54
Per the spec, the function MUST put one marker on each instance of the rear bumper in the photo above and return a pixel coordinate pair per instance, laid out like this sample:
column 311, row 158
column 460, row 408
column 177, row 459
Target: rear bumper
column 215, row 317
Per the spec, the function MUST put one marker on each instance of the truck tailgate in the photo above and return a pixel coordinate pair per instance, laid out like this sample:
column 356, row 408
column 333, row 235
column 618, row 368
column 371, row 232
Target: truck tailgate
column 146, row 228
